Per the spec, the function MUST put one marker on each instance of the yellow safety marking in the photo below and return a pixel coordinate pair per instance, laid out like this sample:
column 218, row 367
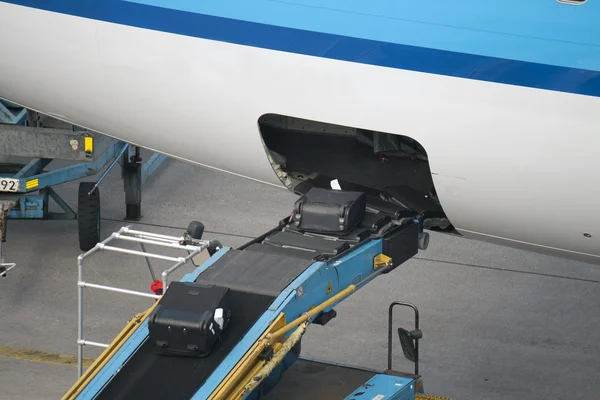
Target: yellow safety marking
column 32, row 183
column 41, row 356
column 329, row 288
column 381, row 260
column 88, row 144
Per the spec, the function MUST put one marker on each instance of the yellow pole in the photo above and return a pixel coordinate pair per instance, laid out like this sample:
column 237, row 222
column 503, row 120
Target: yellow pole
column 311, row 313
column 271, row 339
column 107, row 354
column 248, row 365
column 270, row 366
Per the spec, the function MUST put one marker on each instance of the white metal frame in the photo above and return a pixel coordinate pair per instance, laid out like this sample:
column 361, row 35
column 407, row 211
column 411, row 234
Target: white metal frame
column 141, row 237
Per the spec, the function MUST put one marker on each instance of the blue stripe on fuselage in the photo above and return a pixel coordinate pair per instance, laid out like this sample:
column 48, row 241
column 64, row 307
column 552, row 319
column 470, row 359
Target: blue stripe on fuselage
column 540, row 31
column 332, row 46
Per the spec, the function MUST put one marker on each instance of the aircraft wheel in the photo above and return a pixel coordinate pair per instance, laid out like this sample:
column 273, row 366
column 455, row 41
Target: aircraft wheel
column 88, row 216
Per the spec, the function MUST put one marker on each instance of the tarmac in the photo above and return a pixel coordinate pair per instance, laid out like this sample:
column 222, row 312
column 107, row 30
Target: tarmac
column 498, row 323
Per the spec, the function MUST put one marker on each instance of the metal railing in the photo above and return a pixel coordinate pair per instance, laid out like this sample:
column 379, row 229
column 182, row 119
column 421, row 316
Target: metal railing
column 192, row 247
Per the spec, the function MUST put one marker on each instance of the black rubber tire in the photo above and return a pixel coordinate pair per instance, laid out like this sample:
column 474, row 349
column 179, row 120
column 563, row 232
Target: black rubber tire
column 88, row 216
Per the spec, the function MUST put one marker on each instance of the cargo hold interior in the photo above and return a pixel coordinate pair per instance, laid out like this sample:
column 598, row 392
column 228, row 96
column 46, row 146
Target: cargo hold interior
column 395, row 168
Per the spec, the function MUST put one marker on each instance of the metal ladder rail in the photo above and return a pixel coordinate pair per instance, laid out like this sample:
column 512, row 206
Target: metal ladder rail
column 130, row 235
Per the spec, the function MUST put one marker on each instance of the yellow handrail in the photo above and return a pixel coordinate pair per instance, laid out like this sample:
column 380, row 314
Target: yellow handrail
column 107, row 354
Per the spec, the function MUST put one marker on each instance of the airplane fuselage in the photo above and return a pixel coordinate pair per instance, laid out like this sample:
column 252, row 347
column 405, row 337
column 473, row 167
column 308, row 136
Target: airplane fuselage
column 504, row 96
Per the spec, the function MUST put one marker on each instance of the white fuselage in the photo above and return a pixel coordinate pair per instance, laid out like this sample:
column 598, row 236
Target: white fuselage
column 511, row 163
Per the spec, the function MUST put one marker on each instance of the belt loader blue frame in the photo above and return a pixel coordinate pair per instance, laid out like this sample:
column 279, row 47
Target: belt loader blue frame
column 321, row 281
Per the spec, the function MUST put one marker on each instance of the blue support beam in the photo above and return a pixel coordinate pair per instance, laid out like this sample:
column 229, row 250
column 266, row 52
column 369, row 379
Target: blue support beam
column 8, row 117
column 34, row 167
column 67, row 213
column 70, row 173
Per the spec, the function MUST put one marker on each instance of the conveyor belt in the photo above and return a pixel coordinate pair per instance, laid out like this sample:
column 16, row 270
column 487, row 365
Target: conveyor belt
column 148, row 376
column 272, row 249
column 311, row 243
column 256, row 274
column 255, row 278
column 254, row 271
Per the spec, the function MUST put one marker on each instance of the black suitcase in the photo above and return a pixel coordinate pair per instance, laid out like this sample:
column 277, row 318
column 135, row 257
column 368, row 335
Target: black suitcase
column 329, row 211
column 186, row 321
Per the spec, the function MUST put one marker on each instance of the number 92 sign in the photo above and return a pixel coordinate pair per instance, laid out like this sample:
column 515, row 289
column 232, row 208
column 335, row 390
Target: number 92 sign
column 9, row 185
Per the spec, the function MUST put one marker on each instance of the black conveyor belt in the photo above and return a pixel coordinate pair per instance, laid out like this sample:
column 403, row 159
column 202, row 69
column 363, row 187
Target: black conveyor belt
column 254, row 271
column 300, row 241
column 271, row 249
column 148, row 376
column 256, row 275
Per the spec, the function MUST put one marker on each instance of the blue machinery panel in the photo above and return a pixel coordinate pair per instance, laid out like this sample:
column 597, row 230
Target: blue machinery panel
column 385, row 387
column 8, row 116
